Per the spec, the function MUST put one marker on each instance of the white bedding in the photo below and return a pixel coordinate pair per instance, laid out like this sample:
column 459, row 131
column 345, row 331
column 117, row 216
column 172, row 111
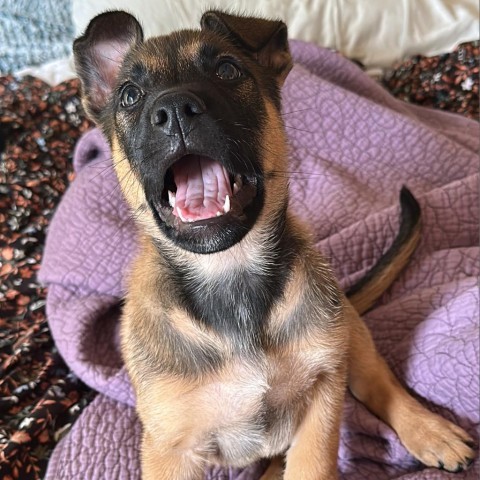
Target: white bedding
column 375, row 32
column 53, row 73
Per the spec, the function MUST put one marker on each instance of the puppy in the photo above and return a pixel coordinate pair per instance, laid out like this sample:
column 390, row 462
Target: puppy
column 237, row 339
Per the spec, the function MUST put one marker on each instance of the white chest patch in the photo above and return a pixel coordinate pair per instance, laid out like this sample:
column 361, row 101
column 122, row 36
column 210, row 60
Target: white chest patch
column 254, row 410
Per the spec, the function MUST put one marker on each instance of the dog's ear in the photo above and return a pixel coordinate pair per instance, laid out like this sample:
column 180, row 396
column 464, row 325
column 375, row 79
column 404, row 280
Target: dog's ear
column 99, row 54
column 266, row 39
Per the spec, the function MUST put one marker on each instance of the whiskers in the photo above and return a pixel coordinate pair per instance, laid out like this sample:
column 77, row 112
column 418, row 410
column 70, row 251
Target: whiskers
column 296, row 175
column 244, row 151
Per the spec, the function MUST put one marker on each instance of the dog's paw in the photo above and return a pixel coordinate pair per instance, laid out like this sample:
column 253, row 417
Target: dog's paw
column 436, row 442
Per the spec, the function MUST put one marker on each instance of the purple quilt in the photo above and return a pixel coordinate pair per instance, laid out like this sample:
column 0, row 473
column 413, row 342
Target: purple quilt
column 352, row 148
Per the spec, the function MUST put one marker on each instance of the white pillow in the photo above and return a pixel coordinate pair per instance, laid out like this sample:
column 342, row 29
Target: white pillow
column 375, row 32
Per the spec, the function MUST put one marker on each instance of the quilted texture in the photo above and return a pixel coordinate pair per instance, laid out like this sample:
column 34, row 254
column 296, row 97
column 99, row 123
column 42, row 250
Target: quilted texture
column 352, row 147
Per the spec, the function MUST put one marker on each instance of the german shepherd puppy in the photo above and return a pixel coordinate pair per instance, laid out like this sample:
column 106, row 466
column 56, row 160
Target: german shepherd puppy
column 236, row 336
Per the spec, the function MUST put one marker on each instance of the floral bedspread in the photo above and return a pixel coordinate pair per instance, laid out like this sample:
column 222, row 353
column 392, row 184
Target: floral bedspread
column 39, row 397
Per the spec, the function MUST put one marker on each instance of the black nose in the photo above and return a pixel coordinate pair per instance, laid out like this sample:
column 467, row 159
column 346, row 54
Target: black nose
column 174, row 112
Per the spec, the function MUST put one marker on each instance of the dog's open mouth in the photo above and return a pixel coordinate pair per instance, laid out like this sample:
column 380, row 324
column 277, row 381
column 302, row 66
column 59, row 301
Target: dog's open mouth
column 198, row 189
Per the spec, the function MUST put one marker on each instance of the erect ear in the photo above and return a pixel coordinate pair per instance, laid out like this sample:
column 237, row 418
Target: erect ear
column 266, row 39
column 99, row 54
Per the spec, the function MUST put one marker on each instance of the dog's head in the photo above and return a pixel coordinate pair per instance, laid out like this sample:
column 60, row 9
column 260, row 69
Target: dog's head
column 193, row 120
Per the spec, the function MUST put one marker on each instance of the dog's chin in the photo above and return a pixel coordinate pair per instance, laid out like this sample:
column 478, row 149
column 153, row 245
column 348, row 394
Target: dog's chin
column 203, row 208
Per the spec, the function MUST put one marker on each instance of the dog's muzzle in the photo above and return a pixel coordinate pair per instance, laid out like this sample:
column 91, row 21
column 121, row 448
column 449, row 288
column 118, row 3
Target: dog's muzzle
column 203, row 199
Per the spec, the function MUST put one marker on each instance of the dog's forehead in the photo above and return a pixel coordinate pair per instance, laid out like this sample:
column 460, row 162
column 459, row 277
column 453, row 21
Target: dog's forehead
column 179, row 50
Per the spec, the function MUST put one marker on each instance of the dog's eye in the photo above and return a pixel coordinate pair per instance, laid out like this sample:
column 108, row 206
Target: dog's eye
column 227, row 70
column 130, row 95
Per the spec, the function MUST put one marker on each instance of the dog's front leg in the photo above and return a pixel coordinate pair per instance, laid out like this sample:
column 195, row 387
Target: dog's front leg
column 314, row 449
column 433, row 440
column 161, row 462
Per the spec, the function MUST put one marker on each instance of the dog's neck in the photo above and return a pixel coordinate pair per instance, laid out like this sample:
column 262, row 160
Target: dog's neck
column 234, row 291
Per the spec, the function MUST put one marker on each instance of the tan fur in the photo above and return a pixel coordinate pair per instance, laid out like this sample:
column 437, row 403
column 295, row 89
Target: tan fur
column 192, row 330
column 189, row 52
column 285, row 398
column 366, row 298
column 294, row 292
column 318, row 432
column 131, row 187
column 427, row 436
column 149, row 57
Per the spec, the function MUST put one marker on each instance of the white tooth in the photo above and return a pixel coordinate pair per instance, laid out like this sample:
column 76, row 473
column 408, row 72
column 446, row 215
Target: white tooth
column 226, row 205
column 181, row 216
column 238, row 181
column 219, row 214
column 236, row 188
column 171, row 199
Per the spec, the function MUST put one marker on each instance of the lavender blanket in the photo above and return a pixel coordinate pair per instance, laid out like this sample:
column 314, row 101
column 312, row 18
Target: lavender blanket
column 352, row 147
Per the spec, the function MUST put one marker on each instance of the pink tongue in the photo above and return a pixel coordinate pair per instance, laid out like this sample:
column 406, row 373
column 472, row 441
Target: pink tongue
column 202, row 185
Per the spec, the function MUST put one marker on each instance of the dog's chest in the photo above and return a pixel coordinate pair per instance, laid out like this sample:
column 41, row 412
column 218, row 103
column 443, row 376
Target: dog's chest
column 254, row 409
